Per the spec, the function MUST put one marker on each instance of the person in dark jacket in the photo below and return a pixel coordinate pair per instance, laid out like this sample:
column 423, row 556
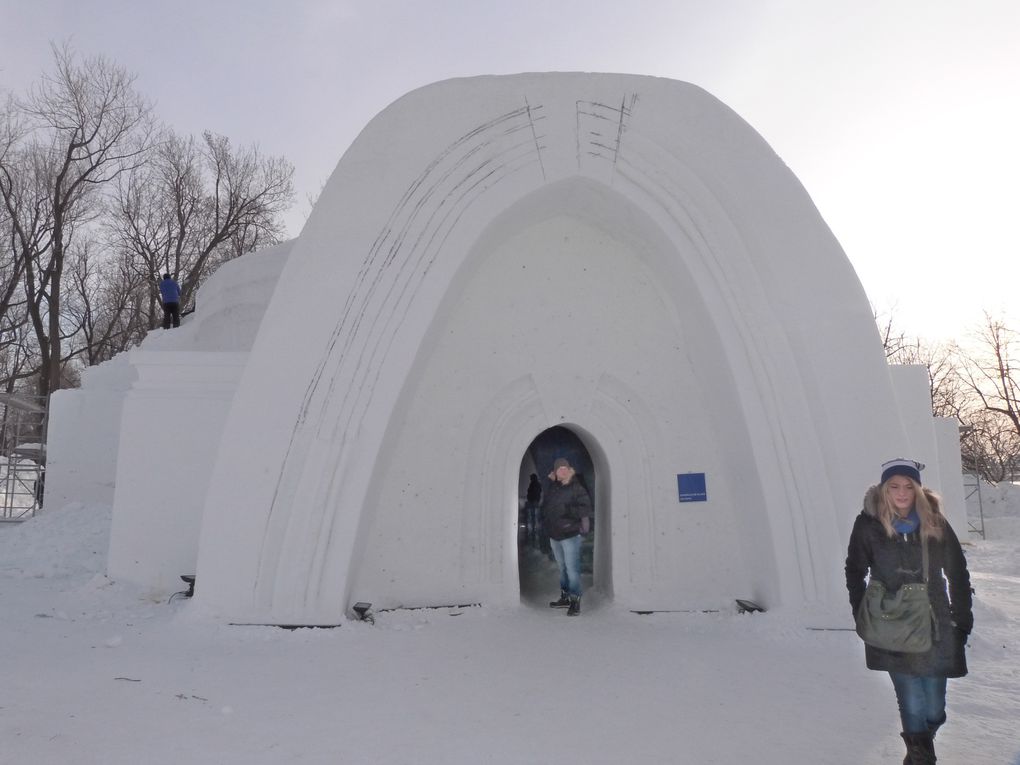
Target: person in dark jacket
column 531, row 506
column 566, row 517
column 885, row 544
column 170, row 295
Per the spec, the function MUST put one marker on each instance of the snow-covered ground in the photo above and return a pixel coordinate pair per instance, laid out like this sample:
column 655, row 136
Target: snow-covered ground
column 97, row 673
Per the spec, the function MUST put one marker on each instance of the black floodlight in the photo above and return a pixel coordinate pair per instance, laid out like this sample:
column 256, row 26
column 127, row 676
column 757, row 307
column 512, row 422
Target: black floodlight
column 361, row 609
column 748, row 606
column 188, row 579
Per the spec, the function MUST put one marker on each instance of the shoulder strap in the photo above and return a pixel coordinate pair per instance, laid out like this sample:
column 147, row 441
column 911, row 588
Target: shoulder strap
column 924, row 554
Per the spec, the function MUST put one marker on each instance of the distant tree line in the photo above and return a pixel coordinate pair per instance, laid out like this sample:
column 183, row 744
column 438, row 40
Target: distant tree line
column 978, row 385
column 97, row 200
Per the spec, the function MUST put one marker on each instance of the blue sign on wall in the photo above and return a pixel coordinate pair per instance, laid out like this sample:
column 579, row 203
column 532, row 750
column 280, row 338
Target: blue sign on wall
column 692, row 487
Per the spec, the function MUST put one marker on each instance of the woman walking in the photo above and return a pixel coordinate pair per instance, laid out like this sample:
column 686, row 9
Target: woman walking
column 899, row 520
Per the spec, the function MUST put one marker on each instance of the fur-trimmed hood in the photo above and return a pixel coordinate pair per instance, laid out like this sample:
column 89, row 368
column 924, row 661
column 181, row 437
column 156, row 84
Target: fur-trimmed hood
column 872, row 496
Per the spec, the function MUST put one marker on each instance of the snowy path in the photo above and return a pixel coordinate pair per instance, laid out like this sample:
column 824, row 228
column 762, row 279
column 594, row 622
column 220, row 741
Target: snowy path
column 94, row 675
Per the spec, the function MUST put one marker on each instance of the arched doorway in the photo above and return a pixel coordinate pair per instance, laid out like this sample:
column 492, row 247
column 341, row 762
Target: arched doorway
column 537, row 570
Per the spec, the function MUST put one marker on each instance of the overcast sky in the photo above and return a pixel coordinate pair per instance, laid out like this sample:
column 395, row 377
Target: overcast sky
column 900, row 117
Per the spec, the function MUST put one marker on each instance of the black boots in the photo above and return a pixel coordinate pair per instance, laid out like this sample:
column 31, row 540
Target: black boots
column 920, row 748
column 563, row 602
column 570, row 602
column 574, row 609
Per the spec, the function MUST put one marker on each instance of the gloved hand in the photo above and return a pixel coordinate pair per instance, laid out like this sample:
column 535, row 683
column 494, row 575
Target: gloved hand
column 585, row 526
column 963, row 622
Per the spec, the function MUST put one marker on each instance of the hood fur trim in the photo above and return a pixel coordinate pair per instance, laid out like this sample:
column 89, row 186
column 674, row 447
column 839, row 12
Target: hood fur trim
column 871, row 499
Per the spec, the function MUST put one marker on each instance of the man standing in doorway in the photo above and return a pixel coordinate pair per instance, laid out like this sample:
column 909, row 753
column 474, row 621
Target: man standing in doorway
column 170, row 294
column 566, row 516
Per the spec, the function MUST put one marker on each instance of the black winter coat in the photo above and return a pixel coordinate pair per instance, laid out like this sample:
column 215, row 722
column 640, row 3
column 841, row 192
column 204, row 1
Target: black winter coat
column 895, row 561
column 563, row 507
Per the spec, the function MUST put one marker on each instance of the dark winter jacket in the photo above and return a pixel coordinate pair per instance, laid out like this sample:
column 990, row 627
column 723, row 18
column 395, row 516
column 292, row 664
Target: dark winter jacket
column 534, row 492
column 895, row 561
column 563, row 507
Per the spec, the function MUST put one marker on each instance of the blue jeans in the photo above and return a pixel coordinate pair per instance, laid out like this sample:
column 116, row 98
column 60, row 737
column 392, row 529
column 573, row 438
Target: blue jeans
column 568, row 557
column 922, row 701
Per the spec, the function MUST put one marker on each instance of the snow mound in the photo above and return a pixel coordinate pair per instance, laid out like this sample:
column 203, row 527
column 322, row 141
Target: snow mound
column 67, row 543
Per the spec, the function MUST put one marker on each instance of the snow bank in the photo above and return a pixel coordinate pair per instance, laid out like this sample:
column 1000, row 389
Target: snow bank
column 96, row 673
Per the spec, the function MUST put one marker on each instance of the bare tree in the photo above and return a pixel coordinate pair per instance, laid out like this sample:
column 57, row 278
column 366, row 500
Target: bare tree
column 79, row 128
column 12, row 266
column 893, row 339
column 991, row 376
column 102, row 304
column 12, row 309
column 196, row 205
column 18, row 362
column 989, row 447
column 949, row 396
column 25, row 227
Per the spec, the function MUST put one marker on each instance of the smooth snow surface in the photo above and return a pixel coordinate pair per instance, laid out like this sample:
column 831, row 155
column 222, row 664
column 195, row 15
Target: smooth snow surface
column 94, row 673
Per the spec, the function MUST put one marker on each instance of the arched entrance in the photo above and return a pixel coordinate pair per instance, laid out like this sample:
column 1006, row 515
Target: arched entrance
column 537, row 571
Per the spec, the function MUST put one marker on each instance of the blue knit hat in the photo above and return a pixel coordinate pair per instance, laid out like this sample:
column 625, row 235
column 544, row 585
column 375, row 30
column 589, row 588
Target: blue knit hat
column 900, row 466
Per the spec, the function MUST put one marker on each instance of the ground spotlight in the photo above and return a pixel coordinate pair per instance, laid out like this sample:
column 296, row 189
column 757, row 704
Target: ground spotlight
column 362, row 610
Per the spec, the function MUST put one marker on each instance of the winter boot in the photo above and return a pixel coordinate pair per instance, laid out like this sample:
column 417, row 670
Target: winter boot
column 563, row 602
column 575, row 606
column 920, row 749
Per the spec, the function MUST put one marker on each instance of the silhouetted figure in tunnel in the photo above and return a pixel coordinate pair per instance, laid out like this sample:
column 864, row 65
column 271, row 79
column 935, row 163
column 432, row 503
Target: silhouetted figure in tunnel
column 531, row 507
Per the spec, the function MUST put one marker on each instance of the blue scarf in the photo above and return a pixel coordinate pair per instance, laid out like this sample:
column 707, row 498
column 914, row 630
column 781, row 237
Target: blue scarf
column 906, row 525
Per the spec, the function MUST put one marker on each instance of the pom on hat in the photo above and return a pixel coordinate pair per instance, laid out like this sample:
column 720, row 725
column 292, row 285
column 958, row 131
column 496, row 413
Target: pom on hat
column 900, row 466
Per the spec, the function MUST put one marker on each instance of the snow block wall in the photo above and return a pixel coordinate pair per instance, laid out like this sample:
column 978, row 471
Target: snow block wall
column 89, row 415
column 143, row 431
column 170, row 421
column 172, row 418
column 619, row 255
column 950, row 485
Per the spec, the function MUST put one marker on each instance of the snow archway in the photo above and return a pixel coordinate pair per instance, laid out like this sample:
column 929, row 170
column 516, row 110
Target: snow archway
column 497, row 255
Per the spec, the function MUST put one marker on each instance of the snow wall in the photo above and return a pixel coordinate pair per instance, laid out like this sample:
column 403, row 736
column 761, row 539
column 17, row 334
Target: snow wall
column 143, row 430
column 618, row 255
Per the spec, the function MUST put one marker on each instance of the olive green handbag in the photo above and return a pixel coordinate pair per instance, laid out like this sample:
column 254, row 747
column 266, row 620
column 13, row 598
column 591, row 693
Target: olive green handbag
column 899, row 621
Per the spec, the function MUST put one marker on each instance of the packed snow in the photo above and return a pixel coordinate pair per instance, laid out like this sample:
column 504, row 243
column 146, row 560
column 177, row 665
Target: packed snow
column 96, row 672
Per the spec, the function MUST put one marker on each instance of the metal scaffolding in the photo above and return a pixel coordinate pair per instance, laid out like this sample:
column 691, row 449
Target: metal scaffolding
column 972, row 486
column 22, row 455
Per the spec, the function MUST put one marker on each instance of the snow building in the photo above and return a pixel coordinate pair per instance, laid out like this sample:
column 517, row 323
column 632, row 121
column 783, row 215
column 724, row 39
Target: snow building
column 502, row 270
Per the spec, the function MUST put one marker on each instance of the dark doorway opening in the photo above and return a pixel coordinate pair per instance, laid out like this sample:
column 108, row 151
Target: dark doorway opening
column 539, row 577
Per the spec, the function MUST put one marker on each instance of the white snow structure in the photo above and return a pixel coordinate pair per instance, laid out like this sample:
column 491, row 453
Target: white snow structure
column 619, row 257
column 142, row 432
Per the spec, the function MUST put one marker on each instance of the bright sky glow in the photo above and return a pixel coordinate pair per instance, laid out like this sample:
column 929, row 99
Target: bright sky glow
column 901, row 119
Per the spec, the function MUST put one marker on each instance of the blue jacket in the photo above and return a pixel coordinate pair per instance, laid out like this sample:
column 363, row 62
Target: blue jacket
column 170, row 291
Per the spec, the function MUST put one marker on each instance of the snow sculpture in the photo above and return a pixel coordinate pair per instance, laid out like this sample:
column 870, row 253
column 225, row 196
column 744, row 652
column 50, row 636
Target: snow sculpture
column 143, row 430
column 619, row 255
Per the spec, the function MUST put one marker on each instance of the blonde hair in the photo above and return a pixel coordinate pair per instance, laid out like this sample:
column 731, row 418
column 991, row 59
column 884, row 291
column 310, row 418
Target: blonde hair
column 926, row 502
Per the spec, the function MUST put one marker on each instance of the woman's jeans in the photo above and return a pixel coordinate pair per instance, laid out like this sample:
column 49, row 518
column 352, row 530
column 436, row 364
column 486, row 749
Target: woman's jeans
column 568, row 557
column 922, row 701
